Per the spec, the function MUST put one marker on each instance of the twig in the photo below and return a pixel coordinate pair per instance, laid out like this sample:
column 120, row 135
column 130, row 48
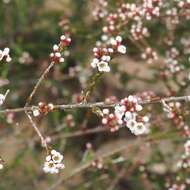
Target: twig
column 29, row 99
column 98, row 104
column 82, row 133
column 43, row 141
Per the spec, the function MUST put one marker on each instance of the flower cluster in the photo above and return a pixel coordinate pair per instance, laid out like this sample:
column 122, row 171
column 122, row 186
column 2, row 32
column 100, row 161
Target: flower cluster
column 103, row 54
column 4, row 55
column 172, row 16
column 25, row 58
column 126, row 113
column 173, row 112
column 184, row 162
column 138, row 31
column 184, row 3
column 146, row 96
column 100, row 11
column 42, row 108
column 129, row 11
column 150, row 55
column 151, row 8
column 56, row 55
column 110, row 120
column 53, row 162
column 172, row 60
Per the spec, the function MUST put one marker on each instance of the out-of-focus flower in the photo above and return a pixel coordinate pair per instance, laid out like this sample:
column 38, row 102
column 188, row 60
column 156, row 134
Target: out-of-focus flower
column 25, row 58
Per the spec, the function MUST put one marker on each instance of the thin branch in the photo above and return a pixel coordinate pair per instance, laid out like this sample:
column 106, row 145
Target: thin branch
column 43, row 141
column 29, row 99
column 98, row 104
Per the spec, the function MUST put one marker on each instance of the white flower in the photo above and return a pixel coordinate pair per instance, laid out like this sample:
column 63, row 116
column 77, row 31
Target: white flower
column 104, row 37
column 118, row 39
column 106, row 58
column 110, row 50
column 146, row 119
column 129, row 116
column 104, row 121
column 113, row 42
column 57, row 157
column 53, row 162
column 105, row 111
column 50, row 167
column 35, row 112
column 137, row 128
column 94, row 62
column 55, row 47
column 140, row 129
column 139, row 107
column 131, row 125
column 103, row 66
column 61, row 60
column 122, row 49
column 131, row 98
column 119, row 111
column 63, row 37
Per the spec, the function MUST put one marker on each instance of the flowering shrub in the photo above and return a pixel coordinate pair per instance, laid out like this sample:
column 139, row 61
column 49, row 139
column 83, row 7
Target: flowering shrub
column 110, row 102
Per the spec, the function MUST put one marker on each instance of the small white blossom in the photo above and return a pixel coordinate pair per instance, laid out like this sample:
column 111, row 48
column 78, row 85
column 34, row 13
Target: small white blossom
column 103, row 66
column 53, row 162
column 138, row 107
column 119, row 111
column 118, row 38
column 140, row 128
column 55, row 47
column 35, row 112
column 94, row 62
column 122, row 49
